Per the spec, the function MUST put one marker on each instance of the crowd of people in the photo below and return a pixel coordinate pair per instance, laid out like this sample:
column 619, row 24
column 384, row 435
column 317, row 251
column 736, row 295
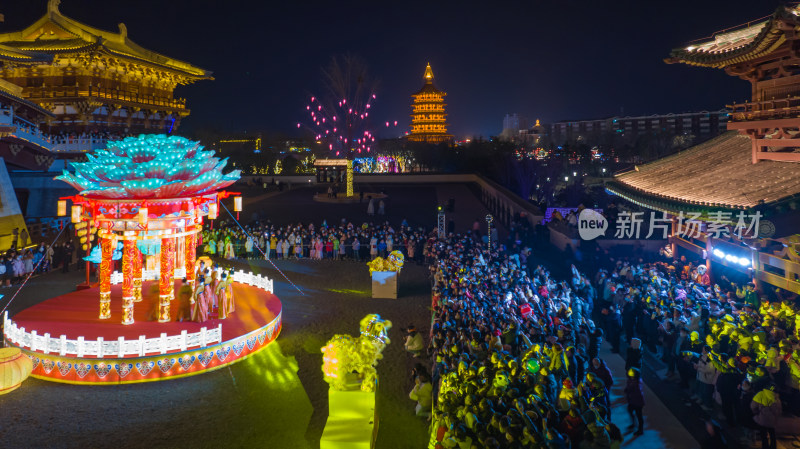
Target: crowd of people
column 513, row 355
column 18, row 263
column 727, row 345
column 341, row 241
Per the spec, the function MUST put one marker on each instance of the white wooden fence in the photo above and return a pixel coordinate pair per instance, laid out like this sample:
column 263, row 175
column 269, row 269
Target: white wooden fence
column 99, row 348
column 122, row 347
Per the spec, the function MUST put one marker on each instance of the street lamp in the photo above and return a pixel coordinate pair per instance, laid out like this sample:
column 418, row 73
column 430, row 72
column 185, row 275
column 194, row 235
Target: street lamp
column 489, row 220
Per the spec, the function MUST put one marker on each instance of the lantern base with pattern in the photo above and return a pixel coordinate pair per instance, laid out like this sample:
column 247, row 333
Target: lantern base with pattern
column 15, row 367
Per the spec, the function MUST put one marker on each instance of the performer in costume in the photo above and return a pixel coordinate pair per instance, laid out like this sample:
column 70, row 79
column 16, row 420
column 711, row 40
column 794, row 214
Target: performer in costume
column 184, row 302
column 229, row 292
column 200, row 306
column 210, row 295
column 201, row 269
column 222, row 297
column 154, row 301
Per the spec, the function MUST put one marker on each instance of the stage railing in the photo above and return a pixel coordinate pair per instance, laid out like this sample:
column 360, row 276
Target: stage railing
column 122, row 347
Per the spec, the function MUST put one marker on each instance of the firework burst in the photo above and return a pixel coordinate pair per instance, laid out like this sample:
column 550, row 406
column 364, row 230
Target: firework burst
column 341, row 121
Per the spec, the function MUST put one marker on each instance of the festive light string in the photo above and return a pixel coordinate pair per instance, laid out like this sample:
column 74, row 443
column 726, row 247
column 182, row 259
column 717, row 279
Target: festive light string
column 33, row 271
column 261, row 250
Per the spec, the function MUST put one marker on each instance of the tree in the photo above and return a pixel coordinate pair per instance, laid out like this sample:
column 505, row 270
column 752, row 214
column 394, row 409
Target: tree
column 289, row 165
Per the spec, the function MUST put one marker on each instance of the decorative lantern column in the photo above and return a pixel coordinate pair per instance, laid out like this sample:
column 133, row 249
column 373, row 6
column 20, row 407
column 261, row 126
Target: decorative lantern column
column 128, row 263
column 191, row 255
column 106, row 249
column 166, row 282
column 349, row 178
column 137, row 275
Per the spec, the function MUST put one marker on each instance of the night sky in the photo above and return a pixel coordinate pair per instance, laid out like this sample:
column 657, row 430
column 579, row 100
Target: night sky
column 553, row 60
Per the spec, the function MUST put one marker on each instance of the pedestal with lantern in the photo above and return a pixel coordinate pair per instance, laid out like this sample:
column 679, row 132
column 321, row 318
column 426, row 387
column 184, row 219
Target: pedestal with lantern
column 146, row 198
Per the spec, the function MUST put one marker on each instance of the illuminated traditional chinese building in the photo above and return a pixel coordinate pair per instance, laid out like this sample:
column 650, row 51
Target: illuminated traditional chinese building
column 750, row 171
column 428, row 116
column 95, row 82
column 765, row 53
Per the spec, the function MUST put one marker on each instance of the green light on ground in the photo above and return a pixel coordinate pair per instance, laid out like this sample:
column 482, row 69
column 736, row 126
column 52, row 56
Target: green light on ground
column 278, row 371
column 348, row 291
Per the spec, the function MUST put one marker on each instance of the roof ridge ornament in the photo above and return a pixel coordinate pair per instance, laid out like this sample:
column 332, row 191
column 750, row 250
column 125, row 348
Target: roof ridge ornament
column 52, row 6
column 123, row 31
column 428, row 73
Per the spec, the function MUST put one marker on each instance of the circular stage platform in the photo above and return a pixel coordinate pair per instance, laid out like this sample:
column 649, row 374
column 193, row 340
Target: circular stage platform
column 68, row 343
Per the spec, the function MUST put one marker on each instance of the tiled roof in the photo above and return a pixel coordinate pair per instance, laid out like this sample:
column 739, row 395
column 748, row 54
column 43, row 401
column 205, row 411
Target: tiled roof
column 717, row 173
column 8, row 53
column 743, row 43
column 429, row 88
column 55, row 33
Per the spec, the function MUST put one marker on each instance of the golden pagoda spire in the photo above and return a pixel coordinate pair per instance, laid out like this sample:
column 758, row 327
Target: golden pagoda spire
column 428, row 74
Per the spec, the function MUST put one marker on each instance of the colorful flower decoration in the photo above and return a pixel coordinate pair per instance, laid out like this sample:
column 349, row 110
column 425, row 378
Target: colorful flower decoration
column 150, row 166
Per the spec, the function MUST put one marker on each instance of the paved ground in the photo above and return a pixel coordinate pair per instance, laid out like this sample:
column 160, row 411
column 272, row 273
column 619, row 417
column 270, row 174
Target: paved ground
column 276, row 397
column 661, row 428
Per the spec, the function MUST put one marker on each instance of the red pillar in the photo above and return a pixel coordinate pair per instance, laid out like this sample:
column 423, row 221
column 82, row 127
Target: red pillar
column 128, row 262
column 106, row 249
column 137, row 275
column 166, row 282
column 191, row 256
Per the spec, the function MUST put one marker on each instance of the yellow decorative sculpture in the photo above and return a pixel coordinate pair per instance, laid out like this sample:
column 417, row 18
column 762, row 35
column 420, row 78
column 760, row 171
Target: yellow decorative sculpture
column 344, row 354
column 393, row 262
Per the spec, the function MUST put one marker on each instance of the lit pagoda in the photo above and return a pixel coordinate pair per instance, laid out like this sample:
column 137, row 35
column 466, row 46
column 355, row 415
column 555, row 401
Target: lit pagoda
column 428, row 116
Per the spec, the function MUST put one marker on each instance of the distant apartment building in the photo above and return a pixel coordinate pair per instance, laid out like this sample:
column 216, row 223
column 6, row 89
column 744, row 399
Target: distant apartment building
column 703, row 125
column 512, row 125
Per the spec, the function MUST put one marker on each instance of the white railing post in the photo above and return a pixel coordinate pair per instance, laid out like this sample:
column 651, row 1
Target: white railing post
column 63, row 349
column 163, row 342
column 202, row 337
column 47, row 342
column 80, row 346
column 184, row 342
column 33, row 340
column 120, row 350
column 219, row 328
column 141, row 345
column 100, row 349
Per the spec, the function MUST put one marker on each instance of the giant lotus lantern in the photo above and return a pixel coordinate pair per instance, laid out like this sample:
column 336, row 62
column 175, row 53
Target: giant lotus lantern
column 150, row 191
